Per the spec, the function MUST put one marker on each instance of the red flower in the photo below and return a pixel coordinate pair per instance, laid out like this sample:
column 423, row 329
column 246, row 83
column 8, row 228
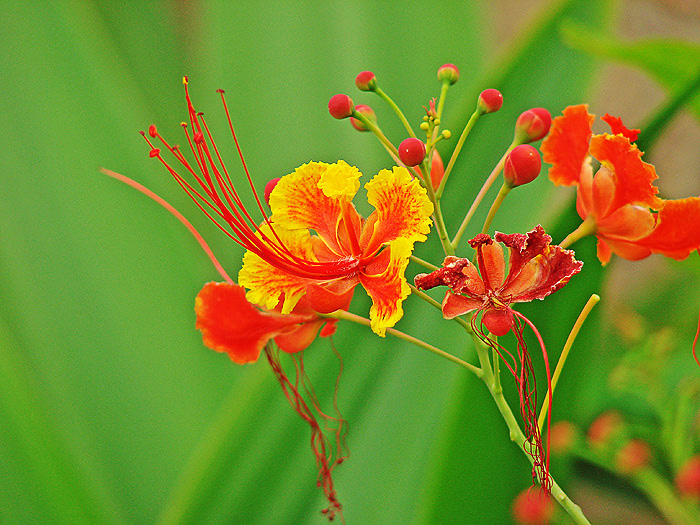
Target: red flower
column 536, row 269
column 619, row 203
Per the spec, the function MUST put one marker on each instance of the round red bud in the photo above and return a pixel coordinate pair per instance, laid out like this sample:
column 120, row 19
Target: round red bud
column 366, row 81
column 412, row 151
column 269, row 187
column 367, row 112
column 340, row 106
column 152, row 130
column 688, row 478
column 448, row 73
column 532, row 507
column 490, row 101
column 532, row 125
column 522, row 165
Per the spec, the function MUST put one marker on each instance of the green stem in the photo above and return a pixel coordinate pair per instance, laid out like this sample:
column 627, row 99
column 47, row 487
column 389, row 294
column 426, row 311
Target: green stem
column 439, row 221
column 347, row 316
column 592, row 301
column 396, row 109
column 586, row 228
column 664, row 498
column 505, row 189
column 516, row 435
column 458, row 148
column 378, row 133
column 424, row 264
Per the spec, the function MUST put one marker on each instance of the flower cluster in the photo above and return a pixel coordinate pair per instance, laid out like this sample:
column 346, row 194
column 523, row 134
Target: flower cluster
column 306, row 256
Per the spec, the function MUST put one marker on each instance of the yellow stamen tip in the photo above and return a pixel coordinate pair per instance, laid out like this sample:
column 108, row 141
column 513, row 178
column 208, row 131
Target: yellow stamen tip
column 185, row 80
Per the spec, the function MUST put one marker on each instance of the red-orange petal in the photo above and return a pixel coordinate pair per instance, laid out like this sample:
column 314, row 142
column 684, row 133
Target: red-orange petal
column 633, row 177
column 454, row 305
column 566, row 146
column 536, row 269
column 617, row 127
column 627, row 223
column 677, row 231
column 229, row 323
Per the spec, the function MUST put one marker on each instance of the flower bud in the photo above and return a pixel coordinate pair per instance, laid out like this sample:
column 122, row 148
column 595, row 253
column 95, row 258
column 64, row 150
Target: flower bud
column 532, row 507
column 448, row 73
column 366, row 81
column 688, row 478
column 340, row 106
column 490, row 100
column 437, row 169
column 532, row 125
column 412, row 151
column 633, row 456
column 522, row 165
column 603, row 428
column 367, row 112
column 269, row 187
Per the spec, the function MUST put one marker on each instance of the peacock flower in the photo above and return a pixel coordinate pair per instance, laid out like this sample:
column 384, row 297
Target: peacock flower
column 346, row 249
column 619, row 203
column 535, row 270
column 285, row 261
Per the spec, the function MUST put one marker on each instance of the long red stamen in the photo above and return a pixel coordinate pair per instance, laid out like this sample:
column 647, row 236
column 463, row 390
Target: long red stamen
column 327, row 457
column 218, row 197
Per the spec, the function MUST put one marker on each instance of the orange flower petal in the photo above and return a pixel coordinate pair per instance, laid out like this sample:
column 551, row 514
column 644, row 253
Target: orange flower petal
column 603, row 251
column 584, row 191
column 633, row 177
column 389, row 288
column 626, row 249
column 603, row 193
column 566, row 146
column 677, row 231
column 402, row 209
column 489, row 257
column 267, row 284
column 454, row 305
column 628, row 223
column 617, row 127
column 229, row 323
column 298, row 202
column 536, row 268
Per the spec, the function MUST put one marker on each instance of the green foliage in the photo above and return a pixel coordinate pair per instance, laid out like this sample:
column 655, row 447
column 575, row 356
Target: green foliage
column 111, row 409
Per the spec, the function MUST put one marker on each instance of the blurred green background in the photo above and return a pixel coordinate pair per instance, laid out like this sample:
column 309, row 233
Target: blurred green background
column 112, row 410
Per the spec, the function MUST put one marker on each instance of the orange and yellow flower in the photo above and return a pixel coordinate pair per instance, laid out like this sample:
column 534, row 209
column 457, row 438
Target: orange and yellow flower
column 373, row 252
column 314, row 245
column 619, row 203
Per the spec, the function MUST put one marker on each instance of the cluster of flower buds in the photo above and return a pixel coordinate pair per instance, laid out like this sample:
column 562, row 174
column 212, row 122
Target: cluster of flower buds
column 522, row 164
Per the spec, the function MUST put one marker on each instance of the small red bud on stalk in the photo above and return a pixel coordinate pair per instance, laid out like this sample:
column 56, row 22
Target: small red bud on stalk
column 412, row 151
column 366, row 81
column 448, row 73
column 633, row 456
column 532, row 507
column 367, row 112
column 688, row 478
column 490, row 101
column 269, row 187
column 522, row 165
column 532, row 125
column 340, row 106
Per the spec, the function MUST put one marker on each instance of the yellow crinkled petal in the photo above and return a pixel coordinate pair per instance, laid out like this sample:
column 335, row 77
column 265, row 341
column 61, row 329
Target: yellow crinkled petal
column 298, row 202
column 403, row 208
column 266, row 283
column 340, row 181
column 389, row 288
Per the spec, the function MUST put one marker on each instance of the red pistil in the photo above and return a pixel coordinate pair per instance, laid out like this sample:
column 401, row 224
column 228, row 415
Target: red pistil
column 218, row 199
